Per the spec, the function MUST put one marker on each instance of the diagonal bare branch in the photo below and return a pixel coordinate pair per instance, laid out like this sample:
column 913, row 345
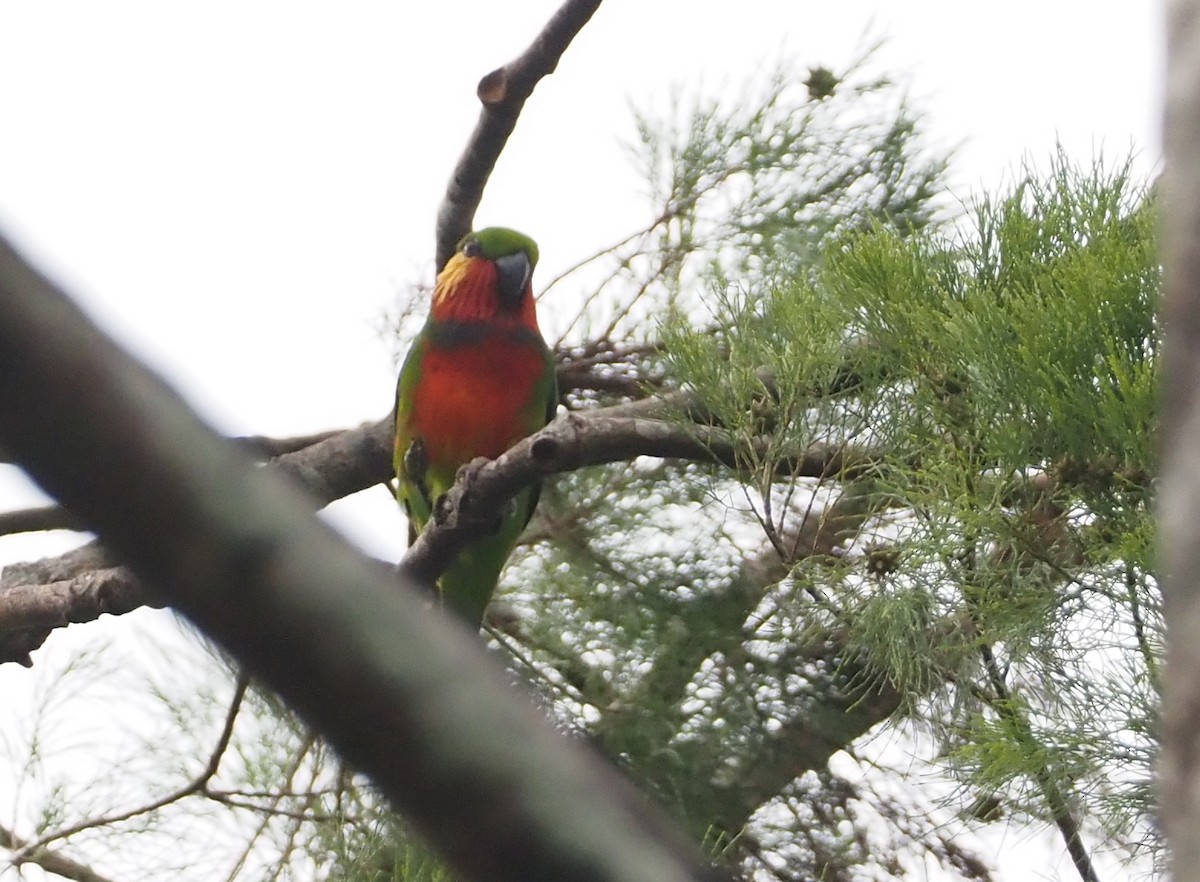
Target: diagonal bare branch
column 503, row 93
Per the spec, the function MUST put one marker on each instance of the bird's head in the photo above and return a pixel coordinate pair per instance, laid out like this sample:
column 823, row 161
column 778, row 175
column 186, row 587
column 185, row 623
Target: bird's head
column 488, row 278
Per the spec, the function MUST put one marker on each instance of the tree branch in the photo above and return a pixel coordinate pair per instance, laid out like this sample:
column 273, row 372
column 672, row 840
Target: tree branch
column 81, row 585
column 82, row 598
column 590, row 438
column 268, row 447
column 334, row 464
column 342, row 464
column 1179, row 500
column 48, row 859
column 481, row 775
column 503, row 93
column 34, row 520
column 37, row 597
column 849, row 706
column 339, row 458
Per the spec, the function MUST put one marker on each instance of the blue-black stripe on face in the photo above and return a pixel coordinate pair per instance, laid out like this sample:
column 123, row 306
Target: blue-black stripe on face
column 512, row 276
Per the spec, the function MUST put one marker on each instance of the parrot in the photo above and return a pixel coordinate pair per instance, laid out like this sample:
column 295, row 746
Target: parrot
column 477, row 379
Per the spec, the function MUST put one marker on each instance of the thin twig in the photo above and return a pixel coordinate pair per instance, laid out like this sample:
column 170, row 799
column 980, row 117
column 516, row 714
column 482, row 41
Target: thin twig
column 51, row 861
column 267, row 814
column 193, row 787
column 267, row 447
column 1068, row 825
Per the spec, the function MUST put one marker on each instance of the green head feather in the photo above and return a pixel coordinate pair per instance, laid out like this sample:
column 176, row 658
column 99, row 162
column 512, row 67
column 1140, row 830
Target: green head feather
column 496, row 242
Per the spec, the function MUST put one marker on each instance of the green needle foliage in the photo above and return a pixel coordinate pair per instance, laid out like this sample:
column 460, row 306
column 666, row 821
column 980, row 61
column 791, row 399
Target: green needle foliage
column 1002, row 377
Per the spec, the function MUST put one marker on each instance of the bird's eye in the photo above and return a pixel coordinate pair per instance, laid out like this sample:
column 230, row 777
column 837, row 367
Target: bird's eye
column 472, row 248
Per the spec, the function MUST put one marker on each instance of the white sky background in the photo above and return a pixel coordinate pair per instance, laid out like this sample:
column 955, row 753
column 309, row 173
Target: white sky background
column 239, row 191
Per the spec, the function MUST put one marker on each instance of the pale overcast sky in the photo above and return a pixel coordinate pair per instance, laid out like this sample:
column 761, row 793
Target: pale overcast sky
column 238, row 190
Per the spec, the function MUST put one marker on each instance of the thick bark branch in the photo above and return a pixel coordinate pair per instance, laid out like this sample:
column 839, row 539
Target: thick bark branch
column 335, row 464
column 34, row 520
column 577, row 440
column 1179, row 498
column 401, row 693
column 342, row 464
column 17, row 640
column 82, row 598
column 503, row 93
column 81, row 585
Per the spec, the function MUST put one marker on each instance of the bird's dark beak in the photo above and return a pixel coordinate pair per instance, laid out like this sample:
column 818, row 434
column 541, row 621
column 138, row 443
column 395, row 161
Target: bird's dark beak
column 513, row 272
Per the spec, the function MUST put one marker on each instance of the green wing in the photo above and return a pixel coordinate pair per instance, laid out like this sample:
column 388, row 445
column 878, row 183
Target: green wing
column 542, row 410
column 412, row 490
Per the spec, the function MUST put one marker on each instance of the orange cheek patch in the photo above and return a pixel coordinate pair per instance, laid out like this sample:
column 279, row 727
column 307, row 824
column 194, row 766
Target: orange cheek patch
column 466, row 290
